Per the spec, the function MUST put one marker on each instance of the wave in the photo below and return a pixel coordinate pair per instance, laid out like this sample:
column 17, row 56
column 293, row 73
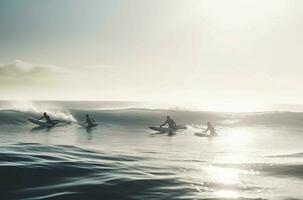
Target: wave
column 132, row 117
column 273, row 118
column 16, row 113
column 293, row 170
column 289, row 155
column 14, row 117
column 147, row 117
column 32, row 109
column 35, row 171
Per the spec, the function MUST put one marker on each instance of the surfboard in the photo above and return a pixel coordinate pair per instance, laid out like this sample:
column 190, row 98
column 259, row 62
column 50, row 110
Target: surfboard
column 90, row 126
column 40, row 122
column 85, row 125
column 56, row 123
column 204, row 135
column 166, row 129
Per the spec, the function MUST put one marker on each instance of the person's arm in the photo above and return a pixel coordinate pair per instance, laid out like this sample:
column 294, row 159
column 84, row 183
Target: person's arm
column 164, row 123
column 42, row 117
column 175, row 125
column 206, row 130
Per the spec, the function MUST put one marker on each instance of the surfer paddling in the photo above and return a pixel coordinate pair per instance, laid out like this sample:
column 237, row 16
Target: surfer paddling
column 171, row 124
column 47, row 118
column 211, row 129
column 89, row 121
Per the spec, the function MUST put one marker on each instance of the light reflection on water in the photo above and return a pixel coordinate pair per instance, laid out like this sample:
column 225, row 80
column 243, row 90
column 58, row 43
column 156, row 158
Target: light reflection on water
column 227, row 166
column 219, row 176
column 226, row 176
column 227, row 194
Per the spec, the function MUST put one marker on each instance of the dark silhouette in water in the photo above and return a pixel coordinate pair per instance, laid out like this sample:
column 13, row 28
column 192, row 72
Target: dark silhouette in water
column 47, row 118
column 211, row 129
column 89, row 121
column 39, row 128
column 171, row 123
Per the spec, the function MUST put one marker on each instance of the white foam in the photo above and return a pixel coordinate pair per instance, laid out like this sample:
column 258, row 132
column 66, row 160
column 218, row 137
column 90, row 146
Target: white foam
column 55, row 111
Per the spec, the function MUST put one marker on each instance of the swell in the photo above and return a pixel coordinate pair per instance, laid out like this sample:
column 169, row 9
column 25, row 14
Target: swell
column 13, row 117
column 35, row 171
column 297, row 155
column 284, row 170
column 121, row 117
column 146, row 117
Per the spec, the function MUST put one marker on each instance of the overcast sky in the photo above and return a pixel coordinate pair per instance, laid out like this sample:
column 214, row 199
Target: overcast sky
column 203, row 50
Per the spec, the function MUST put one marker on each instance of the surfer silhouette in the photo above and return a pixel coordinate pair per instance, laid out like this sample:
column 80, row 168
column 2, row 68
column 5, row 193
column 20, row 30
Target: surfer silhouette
column 47, row 118
column 210, row 128
column 90, row 121
column 171, row 123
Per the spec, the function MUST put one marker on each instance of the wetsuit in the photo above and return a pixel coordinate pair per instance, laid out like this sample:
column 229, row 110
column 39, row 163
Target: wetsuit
column 211, row 129
column 47, row 118
column 89, row 121
column 171, row 123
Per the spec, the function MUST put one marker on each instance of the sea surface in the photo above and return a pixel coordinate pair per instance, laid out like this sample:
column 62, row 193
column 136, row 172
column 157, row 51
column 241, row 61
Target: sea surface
column 256, row 155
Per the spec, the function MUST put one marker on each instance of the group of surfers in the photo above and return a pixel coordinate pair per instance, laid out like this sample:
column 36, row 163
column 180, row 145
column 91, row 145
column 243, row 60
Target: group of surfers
column 172, row 125
column 89, row 121
column 170, row 122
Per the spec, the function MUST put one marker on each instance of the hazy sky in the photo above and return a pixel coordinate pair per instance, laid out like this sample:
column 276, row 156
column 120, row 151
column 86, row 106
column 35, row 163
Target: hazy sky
column 171, row 50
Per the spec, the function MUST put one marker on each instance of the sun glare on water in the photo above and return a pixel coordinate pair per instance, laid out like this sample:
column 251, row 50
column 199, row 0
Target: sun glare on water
column 233, row 107
column 225, row 178
column 227, row 194
column 238, row 137
column 228, row 178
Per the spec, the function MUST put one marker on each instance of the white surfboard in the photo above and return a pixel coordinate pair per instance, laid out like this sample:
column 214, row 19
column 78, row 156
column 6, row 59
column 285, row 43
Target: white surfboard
column 40, row 122
column 166, row 129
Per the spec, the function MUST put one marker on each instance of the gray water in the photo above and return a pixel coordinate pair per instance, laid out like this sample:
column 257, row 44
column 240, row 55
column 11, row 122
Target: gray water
column 255, row 155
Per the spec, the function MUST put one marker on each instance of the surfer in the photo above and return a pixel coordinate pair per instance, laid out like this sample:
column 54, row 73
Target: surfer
column 171, row 123
column 211, row 129
column 47, row 118
column 89, row 121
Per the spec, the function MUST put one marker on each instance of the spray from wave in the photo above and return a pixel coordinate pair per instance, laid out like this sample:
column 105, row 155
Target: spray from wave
column 36, row 109
column 18, row 112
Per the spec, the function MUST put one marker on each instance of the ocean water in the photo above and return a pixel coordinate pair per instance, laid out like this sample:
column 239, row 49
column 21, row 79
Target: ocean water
column 256, row 155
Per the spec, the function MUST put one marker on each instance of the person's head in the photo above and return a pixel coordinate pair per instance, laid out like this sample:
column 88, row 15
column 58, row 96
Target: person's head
column 87, row 116
column 167, row 117
column 44, row 114
column 208, row 124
